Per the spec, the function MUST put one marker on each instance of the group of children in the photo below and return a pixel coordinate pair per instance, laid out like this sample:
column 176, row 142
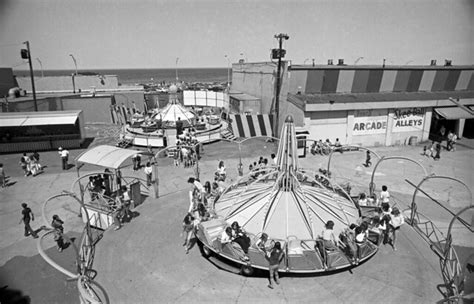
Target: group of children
column 185, row 154
column 259, row 165
column 30, row 164
column 324, row 148
column 201, row 198
column 433, row 150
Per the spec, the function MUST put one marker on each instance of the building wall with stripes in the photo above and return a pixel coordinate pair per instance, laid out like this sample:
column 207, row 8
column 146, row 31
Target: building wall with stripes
column 367, row 80
column 251, row 125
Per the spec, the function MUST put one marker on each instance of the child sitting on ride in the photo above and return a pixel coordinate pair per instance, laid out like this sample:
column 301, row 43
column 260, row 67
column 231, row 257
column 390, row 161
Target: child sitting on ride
column 360, row 236
column 327, row 235
column 347, row 238
column 363, row 200
column 372, row 200
column 228, row 236
column 240, row 237
column 260, row 244
column 377, row 230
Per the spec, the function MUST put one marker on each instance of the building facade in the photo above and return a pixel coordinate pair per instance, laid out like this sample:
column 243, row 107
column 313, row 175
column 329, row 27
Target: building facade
column 375, row 105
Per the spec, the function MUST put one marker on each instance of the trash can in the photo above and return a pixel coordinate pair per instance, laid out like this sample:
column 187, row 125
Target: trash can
column 413, row 140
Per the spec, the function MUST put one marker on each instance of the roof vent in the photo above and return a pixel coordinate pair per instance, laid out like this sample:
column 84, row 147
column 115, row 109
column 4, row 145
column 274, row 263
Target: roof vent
column 433, row 62
column 330, row 62
column 340, row 62
column 447, row 62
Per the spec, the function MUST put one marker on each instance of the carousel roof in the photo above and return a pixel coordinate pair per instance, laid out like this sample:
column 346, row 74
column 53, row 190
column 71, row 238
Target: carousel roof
column 285, row 201
column 173, row 111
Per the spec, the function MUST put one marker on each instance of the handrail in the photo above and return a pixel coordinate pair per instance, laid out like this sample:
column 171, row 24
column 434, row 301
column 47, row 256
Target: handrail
column 449, row 262
column 87, row 293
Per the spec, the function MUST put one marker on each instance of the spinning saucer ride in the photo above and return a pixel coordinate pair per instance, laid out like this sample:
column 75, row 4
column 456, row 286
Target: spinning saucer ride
column 291, row 206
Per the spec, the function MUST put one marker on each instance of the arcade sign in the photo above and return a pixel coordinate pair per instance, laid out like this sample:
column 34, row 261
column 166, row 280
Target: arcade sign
column 369, row 125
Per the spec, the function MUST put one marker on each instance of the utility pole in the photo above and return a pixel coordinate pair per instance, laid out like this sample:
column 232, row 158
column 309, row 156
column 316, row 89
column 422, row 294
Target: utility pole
column 278, row 54
column 26, row 55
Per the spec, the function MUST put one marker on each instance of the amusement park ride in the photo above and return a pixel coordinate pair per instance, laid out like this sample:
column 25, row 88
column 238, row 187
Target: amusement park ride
column 289, row 204
column 157, row 129
column 292, row 207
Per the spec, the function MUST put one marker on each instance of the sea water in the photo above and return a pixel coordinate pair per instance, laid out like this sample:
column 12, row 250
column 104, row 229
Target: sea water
column 145, row 76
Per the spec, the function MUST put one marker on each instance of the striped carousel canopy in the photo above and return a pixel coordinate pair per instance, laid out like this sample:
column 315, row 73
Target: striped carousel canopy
column 285, row 201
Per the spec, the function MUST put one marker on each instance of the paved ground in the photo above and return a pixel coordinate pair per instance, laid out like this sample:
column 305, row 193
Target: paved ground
column 144, row 262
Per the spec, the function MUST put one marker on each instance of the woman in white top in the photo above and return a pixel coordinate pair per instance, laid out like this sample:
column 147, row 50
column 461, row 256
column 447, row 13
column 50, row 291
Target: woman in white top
column 396, row 221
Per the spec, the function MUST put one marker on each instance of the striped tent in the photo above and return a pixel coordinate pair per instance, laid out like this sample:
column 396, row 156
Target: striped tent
column 251, row 125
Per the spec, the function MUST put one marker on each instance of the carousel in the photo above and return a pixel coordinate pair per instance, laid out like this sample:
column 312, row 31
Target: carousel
column 158, row 128
column 291, row 206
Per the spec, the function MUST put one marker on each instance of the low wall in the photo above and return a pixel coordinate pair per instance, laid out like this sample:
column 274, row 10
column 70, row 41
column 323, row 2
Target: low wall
column 79, row 83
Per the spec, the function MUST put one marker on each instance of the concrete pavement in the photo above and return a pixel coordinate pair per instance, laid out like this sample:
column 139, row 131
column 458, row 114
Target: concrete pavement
column 144, row 262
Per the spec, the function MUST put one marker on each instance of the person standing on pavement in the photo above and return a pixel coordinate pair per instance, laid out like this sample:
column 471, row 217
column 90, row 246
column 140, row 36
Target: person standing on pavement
column 148, row 172
column 438, row 151
column 25, row 164
column 64, row 154
column 368, row 163
column 126, row 201
column 274, row 258
column 57, row 225
column 27, row 216
column 3, row 181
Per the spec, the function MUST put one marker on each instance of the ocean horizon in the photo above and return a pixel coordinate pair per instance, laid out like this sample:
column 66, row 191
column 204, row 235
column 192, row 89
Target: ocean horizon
column 143, row 76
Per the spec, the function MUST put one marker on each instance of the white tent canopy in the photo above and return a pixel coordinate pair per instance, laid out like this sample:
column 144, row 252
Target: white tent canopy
column 106, row 156
column 173, row 111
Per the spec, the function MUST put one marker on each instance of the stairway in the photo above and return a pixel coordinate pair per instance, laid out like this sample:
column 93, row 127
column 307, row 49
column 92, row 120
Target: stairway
column 226, row 134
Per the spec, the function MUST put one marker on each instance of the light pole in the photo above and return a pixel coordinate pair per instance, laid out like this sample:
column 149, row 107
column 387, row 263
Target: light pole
column 28, row 52
column 75, row 62
column 177, row 59
column 41, row 66
column 280, row 54
column 358, row 59
column 228, row 70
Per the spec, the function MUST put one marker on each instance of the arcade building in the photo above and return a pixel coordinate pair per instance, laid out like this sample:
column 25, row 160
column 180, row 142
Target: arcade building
column 365, row 105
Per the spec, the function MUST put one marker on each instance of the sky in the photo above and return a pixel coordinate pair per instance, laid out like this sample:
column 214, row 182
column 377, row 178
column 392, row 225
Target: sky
column 113, row 34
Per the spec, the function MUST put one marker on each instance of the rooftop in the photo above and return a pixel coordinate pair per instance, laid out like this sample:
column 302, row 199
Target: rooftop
column 298, row 99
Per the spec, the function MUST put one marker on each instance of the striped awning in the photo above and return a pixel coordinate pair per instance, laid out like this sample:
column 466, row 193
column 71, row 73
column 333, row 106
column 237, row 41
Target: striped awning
column 251, row 125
